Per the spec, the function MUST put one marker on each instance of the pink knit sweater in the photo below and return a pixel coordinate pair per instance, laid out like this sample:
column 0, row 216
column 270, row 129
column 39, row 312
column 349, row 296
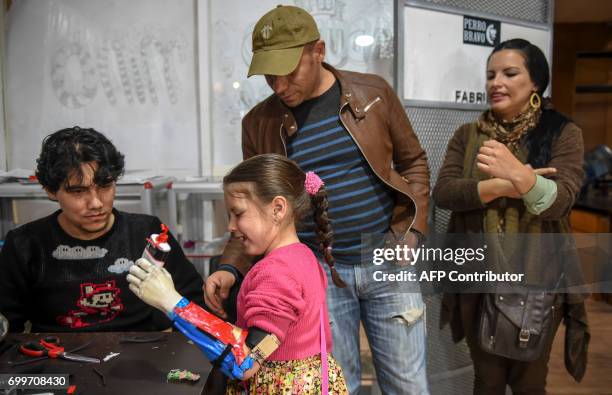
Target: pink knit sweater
column 282, row 294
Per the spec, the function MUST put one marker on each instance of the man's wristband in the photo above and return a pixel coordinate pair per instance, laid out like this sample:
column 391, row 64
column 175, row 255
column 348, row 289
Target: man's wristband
column 232, row 269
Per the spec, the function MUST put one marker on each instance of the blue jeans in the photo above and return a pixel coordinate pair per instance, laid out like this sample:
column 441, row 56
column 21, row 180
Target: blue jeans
column 394, row 322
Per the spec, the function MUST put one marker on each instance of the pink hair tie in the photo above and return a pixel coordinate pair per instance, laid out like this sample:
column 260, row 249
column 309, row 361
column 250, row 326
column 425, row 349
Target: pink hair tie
column 312, row 183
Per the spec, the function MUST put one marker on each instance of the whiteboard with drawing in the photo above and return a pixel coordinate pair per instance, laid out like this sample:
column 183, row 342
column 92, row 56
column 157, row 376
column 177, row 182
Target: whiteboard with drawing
column 358, row 36
column 124, row 68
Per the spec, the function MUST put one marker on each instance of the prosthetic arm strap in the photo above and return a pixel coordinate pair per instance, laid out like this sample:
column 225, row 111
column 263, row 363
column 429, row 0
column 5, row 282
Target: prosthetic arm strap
column 255, row 336
column 261, row 343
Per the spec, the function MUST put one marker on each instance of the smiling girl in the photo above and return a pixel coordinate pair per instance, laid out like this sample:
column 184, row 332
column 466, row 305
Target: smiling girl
column 282, row 299
column 284, row 293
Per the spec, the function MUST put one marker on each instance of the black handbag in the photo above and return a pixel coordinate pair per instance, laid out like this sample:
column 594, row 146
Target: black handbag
column 517, row 325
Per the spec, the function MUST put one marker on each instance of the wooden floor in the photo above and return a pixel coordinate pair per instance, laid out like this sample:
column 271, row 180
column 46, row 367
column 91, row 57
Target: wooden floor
column 598, row 377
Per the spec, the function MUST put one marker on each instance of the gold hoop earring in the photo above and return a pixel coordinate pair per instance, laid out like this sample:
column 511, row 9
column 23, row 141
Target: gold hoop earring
column 535, row 101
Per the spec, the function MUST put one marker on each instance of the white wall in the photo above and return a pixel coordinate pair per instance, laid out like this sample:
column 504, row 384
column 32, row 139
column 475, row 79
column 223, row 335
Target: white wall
column 230, row 24
column 84, row 62
column 2, row 126
column 125, row 68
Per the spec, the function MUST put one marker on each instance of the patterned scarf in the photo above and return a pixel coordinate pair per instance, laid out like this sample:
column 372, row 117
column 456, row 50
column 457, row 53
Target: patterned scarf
column 505, row 216
column 510, row 132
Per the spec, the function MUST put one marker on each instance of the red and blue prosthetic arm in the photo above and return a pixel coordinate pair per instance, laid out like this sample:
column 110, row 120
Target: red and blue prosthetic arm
column 221, row 342
column 224, row 344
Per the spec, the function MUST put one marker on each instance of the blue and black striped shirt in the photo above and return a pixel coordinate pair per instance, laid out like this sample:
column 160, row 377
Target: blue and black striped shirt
column 359, row 203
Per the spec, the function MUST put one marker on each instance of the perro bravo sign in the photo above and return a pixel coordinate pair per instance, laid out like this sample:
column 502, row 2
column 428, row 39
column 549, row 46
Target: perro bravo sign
column 479, row 31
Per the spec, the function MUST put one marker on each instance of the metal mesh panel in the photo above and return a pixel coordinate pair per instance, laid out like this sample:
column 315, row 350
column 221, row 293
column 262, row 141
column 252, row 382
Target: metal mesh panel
column 434, row 127
column 449, row 366
column 526, row 10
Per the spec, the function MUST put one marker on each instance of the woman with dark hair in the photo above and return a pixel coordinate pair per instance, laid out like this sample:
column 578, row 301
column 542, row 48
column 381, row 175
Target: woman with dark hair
column 516, row 170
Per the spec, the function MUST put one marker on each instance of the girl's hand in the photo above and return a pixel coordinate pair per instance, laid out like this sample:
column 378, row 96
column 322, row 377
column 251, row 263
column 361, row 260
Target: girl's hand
column 251, row 372
column 263, row 350
column 256, row 366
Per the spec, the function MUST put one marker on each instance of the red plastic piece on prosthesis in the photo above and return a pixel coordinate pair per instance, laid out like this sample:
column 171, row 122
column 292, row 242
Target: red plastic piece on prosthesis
column 216, row 327
column 163, row 237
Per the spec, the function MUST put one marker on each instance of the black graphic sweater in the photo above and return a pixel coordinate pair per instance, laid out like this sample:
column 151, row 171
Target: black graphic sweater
column 60, row 283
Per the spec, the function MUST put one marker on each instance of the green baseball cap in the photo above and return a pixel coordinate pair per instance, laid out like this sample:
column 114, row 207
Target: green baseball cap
column 279, row 38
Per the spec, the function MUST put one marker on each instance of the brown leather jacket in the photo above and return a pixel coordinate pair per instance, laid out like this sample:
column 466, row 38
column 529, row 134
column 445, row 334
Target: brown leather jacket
column 376, row 120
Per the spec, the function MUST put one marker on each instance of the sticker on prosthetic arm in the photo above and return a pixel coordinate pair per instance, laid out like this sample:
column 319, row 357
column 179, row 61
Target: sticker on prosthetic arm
column 221, row 342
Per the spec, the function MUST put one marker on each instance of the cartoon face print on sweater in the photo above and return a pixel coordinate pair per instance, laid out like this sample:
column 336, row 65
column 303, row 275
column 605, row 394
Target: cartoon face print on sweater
column 78, row 252
column 64, row 252
column 98, row 303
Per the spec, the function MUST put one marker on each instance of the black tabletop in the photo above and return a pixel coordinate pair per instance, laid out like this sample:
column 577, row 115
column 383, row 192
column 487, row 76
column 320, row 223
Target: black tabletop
column 140, row 367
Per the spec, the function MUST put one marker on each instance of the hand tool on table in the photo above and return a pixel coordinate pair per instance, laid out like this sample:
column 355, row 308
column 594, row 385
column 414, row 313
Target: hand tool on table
column 49, row 347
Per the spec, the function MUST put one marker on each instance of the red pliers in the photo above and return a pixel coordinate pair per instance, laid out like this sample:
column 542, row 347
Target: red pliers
column 49, row 346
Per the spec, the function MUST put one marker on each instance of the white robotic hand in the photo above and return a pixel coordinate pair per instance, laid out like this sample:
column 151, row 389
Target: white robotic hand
column 153, row 285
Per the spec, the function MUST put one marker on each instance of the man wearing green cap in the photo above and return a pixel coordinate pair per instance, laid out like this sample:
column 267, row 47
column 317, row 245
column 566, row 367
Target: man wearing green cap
column 351, row 129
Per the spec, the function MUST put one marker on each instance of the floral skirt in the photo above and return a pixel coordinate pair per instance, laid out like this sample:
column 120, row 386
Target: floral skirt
column 300, row 376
